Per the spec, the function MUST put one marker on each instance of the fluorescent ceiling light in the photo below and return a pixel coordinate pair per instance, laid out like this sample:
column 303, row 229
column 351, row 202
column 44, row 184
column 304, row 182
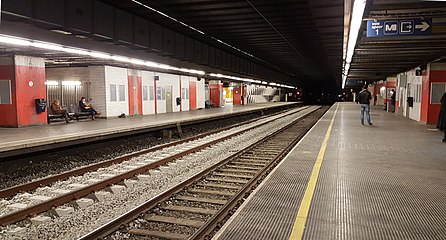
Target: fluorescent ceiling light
column 51, row 83
column 71, row 83
column 136, row 61
column 355, row 25
column 100, row 55
column 61, row 32
column 120, row 58
column 47, row 46
column 81, row 36
column 76, row 51
column 14, row 41
column 218, row 75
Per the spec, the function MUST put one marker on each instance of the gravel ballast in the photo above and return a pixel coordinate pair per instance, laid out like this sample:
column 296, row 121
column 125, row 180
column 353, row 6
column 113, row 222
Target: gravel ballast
column 85, row 220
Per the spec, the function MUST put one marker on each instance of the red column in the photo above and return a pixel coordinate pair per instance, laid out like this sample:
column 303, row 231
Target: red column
column 139, row 80
column 215, row 90
column 192, row 95
column 237, row 96
column 131, row 95
column 26, row 76
column 437, row 74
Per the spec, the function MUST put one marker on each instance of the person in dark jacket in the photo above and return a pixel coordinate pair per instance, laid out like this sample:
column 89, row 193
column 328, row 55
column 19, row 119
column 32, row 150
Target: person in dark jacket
column 364, row 98
column 441, row 124
column 392, row 100
column 85, row 107
column 57, row 109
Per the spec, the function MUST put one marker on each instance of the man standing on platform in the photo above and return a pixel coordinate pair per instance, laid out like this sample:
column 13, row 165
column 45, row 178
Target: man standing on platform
column 392, row 100
column 364, row 98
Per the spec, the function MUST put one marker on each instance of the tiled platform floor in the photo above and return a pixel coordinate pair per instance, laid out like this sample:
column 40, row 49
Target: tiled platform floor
column 386, row 181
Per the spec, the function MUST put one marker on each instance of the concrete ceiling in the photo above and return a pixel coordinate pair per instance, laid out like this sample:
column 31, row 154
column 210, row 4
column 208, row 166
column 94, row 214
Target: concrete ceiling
column 300, row 38
column 294, row 42
column 376, row 58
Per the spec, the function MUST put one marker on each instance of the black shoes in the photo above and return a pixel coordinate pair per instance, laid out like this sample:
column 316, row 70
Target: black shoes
column 443, row 140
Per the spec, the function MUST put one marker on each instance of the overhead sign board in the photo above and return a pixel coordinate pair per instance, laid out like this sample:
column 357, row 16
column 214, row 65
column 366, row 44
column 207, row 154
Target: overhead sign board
column 388, row 28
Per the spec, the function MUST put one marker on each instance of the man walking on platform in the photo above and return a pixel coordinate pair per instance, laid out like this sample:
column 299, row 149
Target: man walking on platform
column 364, row 98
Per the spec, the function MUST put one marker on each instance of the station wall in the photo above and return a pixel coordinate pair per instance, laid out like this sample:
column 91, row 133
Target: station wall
column 425, row 87
column 434, row 85
column 116, row 90
column 261, row 94
column 68, row 94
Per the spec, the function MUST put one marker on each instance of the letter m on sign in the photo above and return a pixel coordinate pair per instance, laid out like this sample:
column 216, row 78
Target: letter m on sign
column 390, row 27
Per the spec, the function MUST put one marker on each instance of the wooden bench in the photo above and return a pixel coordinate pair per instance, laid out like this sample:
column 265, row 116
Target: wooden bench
column 79, row 114
column 51, row 115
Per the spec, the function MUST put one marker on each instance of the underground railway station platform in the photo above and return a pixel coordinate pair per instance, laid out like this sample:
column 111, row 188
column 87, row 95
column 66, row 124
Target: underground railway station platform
column 348, row 181
column 35, row 138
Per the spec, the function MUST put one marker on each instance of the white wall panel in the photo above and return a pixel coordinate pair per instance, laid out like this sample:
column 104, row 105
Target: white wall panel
column 185, row 90
column 98, row 89
column 116, row 76
column 174, row 81
column 414, row 81
column 148, row 106
column 200, row 93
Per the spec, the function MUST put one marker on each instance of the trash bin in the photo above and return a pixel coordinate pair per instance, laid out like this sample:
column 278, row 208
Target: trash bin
column 40, row 105
column 410, row 101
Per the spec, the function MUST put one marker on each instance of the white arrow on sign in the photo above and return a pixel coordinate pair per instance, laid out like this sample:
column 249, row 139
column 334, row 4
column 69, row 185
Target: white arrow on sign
column 424, row 26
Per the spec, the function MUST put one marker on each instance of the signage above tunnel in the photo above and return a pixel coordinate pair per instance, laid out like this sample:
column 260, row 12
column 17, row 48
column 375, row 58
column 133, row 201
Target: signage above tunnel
column 390, row 28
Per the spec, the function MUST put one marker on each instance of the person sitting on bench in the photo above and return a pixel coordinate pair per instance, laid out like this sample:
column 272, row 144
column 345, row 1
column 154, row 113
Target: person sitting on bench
column 85, row 107
column 57, row 109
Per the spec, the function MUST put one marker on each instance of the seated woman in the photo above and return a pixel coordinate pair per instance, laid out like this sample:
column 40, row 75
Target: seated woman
column 57, row 109
column 85, row 107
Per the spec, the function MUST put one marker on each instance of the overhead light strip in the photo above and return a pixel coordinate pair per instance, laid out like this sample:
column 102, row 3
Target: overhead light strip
column 249, row 80
column 355, row 25
column 101, row 55
column 56, row 47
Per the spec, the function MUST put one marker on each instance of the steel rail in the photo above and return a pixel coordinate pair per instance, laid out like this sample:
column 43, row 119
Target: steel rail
column 64, row 198
column 132, row 214
column 214, row 222
column 11, row 191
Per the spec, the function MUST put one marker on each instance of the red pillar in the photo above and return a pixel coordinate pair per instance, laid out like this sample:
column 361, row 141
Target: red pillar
column 25, row 77
column 237, row 96
column 215, row 89
column 192, row 95
column 436, row 73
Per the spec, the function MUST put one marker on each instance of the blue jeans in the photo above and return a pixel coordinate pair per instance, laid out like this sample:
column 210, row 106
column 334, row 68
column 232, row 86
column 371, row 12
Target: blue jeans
column 91, row 110
column 366, row 108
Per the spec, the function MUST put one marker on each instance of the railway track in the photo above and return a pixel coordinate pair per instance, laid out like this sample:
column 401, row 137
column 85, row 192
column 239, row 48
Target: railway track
column 198, row 207
column 160, row 156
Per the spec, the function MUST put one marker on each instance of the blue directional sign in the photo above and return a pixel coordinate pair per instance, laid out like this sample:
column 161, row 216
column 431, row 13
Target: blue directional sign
column 387, row 28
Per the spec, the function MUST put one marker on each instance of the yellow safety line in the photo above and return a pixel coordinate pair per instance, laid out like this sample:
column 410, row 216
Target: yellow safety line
column 302, row 214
